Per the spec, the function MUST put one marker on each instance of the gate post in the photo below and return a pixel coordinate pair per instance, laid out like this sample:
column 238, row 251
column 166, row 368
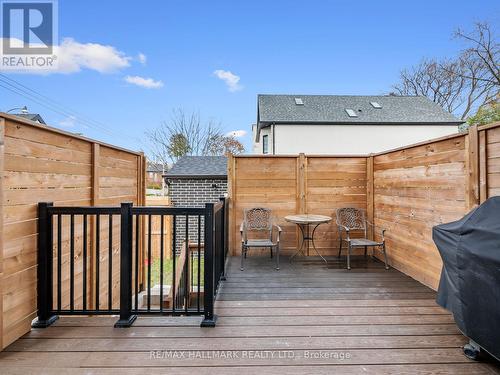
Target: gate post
column 126, row 227
column 44, row 268
column 208, row 286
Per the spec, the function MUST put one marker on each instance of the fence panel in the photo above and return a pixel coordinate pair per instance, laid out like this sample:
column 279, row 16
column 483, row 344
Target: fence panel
column 41, row 163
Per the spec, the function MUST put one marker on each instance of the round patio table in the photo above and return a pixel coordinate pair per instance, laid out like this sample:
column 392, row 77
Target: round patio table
column 304, row 221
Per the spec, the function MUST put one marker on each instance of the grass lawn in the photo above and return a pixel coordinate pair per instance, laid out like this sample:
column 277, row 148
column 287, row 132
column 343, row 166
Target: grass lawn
column 168, row 273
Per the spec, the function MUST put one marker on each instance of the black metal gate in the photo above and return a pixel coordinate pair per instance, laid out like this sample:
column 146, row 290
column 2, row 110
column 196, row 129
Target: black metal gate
column 99, row 260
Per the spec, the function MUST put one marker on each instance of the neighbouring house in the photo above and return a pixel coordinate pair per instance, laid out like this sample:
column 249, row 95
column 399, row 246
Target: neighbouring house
column 32, row 117
column 154, row 174
column 194, row 181
column 345, row 124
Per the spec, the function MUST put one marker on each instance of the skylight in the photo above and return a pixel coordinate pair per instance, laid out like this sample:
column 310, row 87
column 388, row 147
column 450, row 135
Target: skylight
column 351, row 112
column 375, row 105
column 298, row 101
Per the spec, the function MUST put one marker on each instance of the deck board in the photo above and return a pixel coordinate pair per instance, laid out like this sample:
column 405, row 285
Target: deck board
column 311, row 315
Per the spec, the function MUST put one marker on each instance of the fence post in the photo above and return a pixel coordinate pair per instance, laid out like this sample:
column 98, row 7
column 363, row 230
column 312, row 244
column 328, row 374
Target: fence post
column 223, row 235
column 126, row 317
column 472, row 156
column 44, row 269
column 208, row 287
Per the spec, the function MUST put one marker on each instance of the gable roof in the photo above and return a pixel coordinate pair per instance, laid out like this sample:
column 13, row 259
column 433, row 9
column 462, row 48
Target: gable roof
column 199, row 167
column 331, row 109
column 156, row 167
column 32, row 117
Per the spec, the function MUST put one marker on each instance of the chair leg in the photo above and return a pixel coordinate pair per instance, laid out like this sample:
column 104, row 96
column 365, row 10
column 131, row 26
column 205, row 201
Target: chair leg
column 277, row 257
column 271, row 251
column 340, row 247
column 366, row 250
column 385, row 256
column 243, row 255
column 349, row 256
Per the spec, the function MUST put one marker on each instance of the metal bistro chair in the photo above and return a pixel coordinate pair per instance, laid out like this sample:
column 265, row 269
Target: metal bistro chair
column 259, row 220
column 353, row 219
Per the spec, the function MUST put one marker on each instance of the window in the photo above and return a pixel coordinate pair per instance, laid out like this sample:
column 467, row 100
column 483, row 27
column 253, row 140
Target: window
column 351, row 113
column 376, row 105
column 299, row 101
column 265, row 144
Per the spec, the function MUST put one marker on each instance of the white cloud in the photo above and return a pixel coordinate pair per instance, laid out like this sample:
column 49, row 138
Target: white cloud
column 142, row 58
column 73, row 56
column 68, row 122
column 236, row 133
column 231, row 80
column 148, row 83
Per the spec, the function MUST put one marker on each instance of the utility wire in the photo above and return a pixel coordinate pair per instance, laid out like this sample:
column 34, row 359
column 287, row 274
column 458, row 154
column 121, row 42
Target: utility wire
column 20, row 89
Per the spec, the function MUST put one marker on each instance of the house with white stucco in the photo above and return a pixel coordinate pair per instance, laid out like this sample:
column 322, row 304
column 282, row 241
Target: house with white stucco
column 346, row 124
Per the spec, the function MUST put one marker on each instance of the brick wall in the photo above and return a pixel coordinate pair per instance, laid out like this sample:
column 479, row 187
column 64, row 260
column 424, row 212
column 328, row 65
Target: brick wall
column 194, row 193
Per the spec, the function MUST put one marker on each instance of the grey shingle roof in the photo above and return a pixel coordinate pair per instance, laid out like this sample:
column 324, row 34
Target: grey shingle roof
column 331, row 109
column 31, row 116
column 155, row 167
column 199, row 166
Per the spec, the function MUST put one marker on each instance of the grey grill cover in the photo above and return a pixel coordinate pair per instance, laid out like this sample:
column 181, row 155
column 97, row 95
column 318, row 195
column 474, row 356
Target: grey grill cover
column 470, row 280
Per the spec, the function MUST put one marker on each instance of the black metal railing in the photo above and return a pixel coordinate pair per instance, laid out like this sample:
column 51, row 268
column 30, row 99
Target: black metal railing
column 215, row 256
column 99, row 260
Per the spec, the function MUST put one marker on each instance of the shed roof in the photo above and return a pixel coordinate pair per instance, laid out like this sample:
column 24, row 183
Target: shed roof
column 199, row 167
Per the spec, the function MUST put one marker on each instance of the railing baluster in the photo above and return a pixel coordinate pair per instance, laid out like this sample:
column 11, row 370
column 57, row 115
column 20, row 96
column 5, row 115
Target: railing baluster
column 223, row 244
column 149, row 262
column 187, row 290
column 174, row 253
column 110, row 262
column 84, row 273
column 72, row 263
column 137, row 236
column 198, row 294
column 162, row 234
column 97, row 259
column 59, row 262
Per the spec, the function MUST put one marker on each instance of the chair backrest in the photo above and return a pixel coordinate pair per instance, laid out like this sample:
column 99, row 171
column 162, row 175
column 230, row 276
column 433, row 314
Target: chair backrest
column 258, row 218
column 352, row 218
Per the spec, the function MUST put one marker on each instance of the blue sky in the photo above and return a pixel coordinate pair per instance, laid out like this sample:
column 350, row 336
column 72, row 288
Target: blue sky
column 307, row 47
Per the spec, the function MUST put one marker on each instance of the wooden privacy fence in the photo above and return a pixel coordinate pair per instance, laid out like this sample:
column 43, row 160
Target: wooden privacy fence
column 296, row 184
column 407, row 191
column 156, row 227
column 39, row 163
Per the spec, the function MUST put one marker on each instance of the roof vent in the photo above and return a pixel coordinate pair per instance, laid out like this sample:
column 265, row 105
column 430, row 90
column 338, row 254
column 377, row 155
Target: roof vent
column 351, row 112
column 298, row 101
column 376, row 105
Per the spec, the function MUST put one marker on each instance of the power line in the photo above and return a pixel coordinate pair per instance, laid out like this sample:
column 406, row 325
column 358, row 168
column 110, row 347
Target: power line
column 53, row 103
column 54, row 106
column 53, row 109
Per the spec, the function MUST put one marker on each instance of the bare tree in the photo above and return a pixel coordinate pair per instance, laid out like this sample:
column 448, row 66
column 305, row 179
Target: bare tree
column 186, row 134
column 478, row 89
column 226, row 144
column 430, row 80
column 461, row 85
column 485, row 48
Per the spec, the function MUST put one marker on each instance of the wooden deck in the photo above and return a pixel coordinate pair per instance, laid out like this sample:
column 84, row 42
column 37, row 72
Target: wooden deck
column 306, row 318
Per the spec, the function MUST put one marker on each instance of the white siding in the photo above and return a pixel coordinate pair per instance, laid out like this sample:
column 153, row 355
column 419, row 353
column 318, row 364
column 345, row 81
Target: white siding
column 257, row 146
column 348, row 139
